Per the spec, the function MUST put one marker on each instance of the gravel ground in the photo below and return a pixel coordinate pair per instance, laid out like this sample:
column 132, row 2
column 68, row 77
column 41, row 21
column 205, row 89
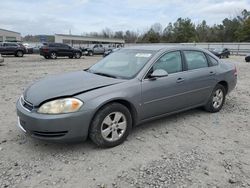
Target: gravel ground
column 190, row 149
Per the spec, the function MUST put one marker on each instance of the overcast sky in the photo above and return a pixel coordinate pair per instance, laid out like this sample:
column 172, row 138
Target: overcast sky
column 80, row 16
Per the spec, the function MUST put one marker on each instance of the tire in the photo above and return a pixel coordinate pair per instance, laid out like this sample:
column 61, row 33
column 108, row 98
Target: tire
column 46, row 57
column 53, row 55
column 78, row 55
column 90, row 53
column 216, row 100
column 19, row 53
column 71, row 57
column 105, row 130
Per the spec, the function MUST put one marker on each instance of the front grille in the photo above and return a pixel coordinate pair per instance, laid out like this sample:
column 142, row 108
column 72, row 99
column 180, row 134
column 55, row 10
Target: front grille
column 50, row 134
column 27, row 105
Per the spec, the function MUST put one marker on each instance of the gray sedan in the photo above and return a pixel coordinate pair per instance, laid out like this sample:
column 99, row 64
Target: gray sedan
column 127, row 88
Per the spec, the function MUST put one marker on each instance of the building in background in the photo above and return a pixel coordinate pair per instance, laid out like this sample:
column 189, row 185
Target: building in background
column 8, row 36
column 79, row 41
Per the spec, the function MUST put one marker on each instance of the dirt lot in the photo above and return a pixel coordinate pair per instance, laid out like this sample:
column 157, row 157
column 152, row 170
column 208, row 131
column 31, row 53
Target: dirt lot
column 191, row 149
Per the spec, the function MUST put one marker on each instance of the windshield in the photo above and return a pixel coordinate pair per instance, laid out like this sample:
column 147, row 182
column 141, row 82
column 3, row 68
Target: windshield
column 124, row 63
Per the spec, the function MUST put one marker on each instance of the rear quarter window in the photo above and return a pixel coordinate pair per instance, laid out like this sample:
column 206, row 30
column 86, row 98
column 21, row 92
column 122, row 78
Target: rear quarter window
column 212, row 60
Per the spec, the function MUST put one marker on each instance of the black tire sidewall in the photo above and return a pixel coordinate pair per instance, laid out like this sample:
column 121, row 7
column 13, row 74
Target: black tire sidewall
column 95, row 128
column 209, row 106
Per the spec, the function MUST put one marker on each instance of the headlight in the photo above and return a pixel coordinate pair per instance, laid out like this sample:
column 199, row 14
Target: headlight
column 61, row 106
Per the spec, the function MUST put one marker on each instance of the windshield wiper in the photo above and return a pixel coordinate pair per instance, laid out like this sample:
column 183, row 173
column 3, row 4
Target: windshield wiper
column 104, row 74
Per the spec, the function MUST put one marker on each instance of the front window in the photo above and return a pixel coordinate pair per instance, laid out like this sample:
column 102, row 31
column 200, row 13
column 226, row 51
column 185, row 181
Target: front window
column 170, row 62
column 124, row 63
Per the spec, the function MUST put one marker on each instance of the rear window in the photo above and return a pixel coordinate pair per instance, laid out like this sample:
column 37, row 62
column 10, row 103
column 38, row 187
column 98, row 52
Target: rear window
column 195, row 60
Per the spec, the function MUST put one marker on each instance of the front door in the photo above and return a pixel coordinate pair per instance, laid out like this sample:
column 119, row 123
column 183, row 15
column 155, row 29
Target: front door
column 166, row 94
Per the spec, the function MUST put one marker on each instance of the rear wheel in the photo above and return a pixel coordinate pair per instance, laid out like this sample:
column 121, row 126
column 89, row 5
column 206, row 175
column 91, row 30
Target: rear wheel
column 111, row 125
column 53, row 55
column 71, row 56
column 46, row 57
column 19, row 53
column 216, row 100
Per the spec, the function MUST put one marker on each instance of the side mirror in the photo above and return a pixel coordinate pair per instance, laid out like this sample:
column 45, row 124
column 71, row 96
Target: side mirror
column 158, row 73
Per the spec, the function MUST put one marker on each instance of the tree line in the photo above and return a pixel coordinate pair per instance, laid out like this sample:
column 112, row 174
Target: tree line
column 182, row 30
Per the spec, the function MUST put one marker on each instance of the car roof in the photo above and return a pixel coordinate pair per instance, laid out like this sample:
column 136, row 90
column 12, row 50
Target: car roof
column 162, row 47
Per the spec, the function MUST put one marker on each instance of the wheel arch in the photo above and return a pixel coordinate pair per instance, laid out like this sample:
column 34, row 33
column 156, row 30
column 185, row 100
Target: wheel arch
column 126, row 103
column 224, row 84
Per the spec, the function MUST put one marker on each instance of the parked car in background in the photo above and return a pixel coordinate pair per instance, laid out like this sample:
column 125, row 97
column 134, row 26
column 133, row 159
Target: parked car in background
column 29, row 49
column 86, row 51
column 98, row 49
column 221, row 52
column 127, row 88
column 247, row 58
column 54, row 50
column 12, row 48
column 109, row 51
column 95, row 49
column 1, row 59
column 36, row 49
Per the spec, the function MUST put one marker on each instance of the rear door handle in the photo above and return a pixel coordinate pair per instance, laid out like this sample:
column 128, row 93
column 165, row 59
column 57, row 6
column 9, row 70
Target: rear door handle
column 179, row 80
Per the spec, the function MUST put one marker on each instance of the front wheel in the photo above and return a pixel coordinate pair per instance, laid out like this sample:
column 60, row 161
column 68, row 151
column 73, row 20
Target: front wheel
column 19, row 53
column 216, row 100
column 111, row 125
column 77, row 55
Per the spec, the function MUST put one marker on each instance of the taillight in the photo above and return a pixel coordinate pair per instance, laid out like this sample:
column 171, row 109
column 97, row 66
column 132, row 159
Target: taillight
column 45, row 49
column 235, row 70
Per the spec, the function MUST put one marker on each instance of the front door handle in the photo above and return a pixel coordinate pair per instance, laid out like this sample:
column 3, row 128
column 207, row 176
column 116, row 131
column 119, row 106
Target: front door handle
column 179, row 80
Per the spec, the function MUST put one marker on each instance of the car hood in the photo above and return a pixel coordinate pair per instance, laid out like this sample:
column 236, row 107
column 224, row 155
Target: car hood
column 66, row 85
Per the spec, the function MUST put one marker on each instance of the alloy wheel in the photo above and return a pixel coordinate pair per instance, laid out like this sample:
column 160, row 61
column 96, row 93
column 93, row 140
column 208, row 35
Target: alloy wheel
column 19, row 54
column 218, row 98
column 53, row 55
column 77, row 55
column 113, row 126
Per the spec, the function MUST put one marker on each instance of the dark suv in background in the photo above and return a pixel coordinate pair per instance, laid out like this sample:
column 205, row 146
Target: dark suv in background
column 221, row 52
column 12, row 48
column 54, row 50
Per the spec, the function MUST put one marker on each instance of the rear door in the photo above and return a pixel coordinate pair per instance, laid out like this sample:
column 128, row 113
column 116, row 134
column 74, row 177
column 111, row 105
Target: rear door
column 201, row 77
